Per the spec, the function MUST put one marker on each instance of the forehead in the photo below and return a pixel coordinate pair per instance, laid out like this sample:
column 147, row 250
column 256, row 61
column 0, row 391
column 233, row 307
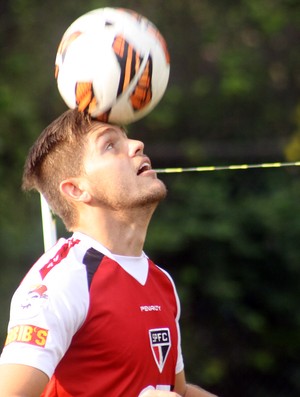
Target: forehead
column 98, row 129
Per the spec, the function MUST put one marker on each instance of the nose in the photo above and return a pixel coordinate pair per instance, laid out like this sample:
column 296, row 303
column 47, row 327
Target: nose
column 135, row 147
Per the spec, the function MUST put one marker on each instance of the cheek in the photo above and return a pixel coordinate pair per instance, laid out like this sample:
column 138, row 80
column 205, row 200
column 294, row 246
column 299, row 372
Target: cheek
column 110, row 176
column 111, row 181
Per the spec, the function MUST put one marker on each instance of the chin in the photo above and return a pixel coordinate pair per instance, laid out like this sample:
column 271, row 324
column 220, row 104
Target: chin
column 156, row 195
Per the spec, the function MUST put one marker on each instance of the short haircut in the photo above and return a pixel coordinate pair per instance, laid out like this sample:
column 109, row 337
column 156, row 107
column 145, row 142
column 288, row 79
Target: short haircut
column 57, row 155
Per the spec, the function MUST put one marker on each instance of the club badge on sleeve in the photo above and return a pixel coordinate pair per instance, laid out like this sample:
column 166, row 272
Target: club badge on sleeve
column 29, row 302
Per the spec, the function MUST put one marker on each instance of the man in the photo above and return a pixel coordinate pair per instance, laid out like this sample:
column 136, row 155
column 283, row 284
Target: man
column 94, row 316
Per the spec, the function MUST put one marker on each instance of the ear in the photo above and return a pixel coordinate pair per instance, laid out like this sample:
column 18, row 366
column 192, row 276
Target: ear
column 70, row 188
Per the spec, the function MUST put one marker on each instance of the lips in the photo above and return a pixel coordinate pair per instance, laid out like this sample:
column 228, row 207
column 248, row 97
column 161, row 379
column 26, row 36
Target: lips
column 145, row 166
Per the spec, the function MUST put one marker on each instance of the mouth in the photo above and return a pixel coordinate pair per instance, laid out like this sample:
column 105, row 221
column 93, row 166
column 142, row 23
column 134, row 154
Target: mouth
column 144, row 167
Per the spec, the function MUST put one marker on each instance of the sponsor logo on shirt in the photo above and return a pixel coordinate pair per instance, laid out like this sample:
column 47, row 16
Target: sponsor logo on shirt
column 35, row 295
column 152, row 308
column 160, row 343
column 26, row 333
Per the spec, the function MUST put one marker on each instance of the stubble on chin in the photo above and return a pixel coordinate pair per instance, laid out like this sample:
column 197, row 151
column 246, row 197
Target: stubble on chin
column 150, row 199
column 157, row 195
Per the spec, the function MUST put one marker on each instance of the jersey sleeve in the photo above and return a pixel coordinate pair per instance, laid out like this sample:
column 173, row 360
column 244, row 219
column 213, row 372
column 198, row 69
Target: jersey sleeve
column 45, row 314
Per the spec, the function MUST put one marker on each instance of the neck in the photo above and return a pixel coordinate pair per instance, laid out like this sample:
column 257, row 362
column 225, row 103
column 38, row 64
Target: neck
column 122, row 232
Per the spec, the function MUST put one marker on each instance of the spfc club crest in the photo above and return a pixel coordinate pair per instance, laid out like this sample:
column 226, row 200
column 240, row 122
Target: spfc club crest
column 160, row 342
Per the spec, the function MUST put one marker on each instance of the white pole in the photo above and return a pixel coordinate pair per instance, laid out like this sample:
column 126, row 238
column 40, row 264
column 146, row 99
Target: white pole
column 49, row 225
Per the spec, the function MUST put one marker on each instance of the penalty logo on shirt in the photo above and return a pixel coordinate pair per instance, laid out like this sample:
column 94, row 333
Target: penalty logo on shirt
column 160, row 342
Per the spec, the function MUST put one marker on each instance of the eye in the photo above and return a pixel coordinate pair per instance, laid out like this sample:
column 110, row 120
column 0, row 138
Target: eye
column 109, row 146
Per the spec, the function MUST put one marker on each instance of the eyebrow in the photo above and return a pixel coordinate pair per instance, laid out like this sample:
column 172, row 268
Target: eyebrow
column 106, row 129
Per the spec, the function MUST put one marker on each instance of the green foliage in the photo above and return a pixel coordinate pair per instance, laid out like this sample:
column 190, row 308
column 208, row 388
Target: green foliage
column 230, row 239
column 234, row 238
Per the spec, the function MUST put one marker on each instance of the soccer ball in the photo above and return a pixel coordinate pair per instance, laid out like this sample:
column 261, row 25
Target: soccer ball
column 113, row 64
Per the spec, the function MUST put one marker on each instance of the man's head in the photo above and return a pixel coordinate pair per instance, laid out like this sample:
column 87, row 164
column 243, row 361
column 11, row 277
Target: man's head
column 77, row 160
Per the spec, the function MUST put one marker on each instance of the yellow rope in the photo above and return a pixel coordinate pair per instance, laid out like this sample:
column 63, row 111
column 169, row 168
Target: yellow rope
column 226, row 167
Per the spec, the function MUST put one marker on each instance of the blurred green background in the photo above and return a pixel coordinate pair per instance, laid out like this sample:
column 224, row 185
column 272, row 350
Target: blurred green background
column 230, row 239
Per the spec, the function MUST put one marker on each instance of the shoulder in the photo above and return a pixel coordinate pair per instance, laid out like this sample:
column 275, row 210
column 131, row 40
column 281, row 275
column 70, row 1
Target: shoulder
column 66, row 253
column 55, row 283
column 167, row 283
column 65, row 257
column 48, row 308
column 162, row 273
